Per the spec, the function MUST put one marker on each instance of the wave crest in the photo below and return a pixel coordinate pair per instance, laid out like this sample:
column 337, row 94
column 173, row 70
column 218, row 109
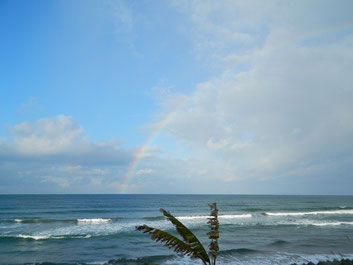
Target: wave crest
column 43, row 237
column 309, row 213
column 94, row 220
column 225, row 216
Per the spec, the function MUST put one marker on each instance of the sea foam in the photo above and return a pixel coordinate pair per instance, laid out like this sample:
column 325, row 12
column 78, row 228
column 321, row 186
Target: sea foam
column 226, row 216
column 310, row 213
column 93, row 221
column 38, row 237
column 43, row 237
column 331, row 223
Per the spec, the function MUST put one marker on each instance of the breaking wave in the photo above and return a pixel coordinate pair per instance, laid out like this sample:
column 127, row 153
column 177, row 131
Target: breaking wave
column 94, row 220
column 226, row 216
column 42, row 237
column 309, row 213
column 47, row 221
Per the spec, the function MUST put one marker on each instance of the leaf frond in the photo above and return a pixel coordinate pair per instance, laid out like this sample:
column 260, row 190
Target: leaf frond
column 169, row 240
column 188, row 237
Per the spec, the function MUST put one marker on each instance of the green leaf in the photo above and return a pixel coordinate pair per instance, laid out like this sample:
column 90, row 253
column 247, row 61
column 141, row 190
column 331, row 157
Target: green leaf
column 188, row 237
column 169, row 240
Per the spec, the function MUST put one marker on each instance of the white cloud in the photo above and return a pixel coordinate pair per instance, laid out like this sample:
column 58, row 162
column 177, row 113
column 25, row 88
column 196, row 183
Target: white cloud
column 57, row 151
column 145, row 171
column 46, row 136
column 290, row 107
column 226, row 32
column 60, row 181
column 71, row 169
column 53, row 155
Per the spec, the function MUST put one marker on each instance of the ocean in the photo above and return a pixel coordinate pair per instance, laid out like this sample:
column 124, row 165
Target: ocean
column 100, row 229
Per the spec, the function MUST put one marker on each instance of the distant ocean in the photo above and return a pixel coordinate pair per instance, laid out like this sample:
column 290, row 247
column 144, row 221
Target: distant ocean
column 97, row 229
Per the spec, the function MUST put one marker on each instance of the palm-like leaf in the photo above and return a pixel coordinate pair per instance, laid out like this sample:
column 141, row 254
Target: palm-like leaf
column 191, row 246
column 214, row 233
column 188, row 237
column 169, row 240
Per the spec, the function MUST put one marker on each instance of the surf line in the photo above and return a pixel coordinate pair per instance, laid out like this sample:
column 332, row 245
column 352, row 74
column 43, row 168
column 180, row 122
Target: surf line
column 142, row 150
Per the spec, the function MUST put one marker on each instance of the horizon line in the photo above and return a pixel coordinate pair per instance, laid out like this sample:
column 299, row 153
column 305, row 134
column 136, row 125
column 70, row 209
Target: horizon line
column 212, row 194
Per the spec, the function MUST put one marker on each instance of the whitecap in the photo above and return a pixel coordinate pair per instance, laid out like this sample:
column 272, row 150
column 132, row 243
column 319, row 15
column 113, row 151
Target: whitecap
column 38, row 237
column 226, row 216
column 193, row 217
column 332, row 223
column 315, row 223
column 310, row 213
column 93, row 221
column 43, row 237
column 230, row 216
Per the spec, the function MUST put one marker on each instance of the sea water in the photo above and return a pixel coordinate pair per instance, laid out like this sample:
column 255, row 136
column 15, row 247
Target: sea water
column 99, row 229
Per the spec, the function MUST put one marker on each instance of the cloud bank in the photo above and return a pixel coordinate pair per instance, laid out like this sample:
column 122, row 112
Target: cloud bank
column 278, row 111
column 53, row 153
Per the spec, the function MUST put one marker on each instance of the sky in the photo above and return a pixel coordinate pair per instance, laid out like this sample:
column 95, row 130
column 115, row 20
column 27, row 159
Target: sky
column 184, row 96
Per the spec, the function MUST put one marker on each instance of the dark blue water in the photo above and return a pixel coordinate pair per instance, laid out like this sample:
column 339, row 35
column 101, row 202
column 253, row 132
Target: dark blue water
column 96, row 229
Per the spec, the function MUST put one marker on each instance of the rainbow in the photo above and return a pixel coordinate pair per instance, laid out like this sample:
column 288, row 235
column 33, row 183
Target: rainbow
column 142, row 150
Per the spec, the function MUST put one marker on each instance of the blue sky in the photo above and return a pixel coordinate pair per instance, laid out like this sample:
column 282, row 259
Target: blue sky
column 176, row 97
column 79, row 59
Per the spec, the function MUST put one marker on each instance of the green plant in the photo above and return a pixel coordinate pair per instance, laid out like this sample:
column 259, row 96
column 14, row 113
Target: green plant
column 189, row 245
